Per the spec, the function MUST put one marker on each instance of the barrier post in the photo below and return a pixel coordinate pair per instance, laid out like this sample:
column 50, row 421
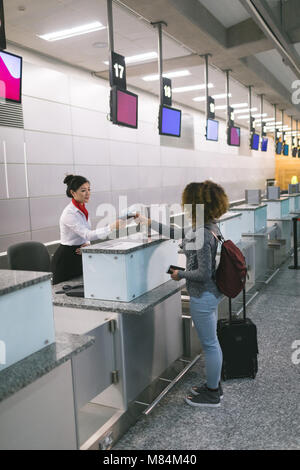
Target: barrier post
column 295, row 220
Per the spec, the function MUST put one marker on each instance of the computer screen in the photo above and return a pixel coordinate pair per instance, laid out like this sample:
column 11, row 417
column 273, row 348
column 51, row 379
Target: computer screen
column 279, row 148
column 10, row 77
column 124, row 108
column 169, row 121
column 234, row 134
column 255, row 142
column 264, row 144
column 285, row 149
column 212, row 130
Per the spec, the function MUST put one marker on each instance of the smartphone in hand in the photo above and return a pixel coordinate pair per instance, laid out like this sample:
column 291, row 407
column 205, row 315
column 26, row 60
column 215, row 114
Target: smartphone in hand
column 128, row 215
column 175, row 268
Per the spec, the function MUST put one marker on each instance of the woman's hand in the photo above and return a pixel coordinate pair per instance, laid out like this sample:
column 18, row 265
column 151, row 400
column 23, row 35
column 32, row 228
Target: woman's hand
column 78, row 250
column 119, row 223
column 174, row 275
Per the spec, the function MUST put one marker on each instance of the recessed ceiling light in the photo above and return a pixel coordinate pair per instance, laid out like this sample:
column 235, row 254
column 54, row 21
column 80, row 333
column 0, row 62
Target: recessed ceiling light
column 134, row 59
column 178, row 73
column 184, row 89
column 255, row 116
column 239, row 105
column 241, row 111
column 69, row 33
column 141, row 57
column 221, row 95
column 260, row 115
column 215, row 97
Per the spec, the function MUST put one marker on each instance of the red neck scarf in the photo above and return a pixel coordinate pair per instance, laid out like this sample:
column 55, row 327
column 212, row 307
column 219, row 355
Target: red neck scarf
column 81, row 207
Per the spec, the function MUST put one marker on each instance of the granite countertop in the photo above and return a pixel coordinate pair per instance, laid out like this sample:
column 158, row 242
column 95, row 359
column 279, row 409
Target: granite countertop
column 282, row 198
column 124, row 245
column 137, row 306
column 26, row 371
column 248, row 207
column 11, row 281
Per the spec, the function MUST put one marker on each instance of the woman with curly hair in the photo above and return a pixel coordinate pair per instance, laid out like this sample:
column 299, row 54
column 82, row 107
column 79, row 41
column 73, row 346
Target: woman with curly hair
column 200, row 247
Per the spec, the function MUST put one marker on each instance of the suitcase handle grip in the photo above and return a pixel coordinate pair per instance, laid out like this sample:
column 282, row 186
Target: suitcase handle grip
column 244, row 306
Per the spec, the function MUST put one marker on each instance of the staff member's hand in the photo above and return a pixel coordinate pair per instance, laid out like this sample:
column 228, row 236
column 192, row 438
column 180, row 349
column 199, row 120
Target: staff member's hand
column 174, row 275
column 78, row 250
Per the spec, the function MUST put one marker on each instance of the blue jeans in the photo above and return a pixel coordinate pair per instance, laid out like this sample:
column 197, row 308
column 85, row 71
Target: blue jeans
column 205, row 315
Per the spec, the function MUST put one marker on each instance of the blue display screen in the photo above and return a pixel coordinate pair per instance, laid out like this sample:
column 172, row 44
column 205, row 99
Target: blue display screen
column 212, row 130
column 255, row 142
column 285, row 149
column 264, row 144
column 170, row 121
column 279, row 148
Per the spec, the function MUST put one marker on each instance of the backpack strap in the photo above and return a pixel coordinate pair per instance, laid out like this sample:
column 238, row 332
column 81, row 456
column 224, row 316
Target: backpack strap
column 220, row 240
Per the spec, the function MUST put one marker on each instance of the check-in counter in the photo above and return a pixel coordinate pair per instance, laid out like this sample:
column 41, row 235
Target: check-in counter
column 135, row 264
column 36, row 384
column 279, row 213
column 294, row 208
column 254, row 236
column 230, row 225
column 254, row 217
column 26, row 314
column 135, row 341
column 294, row 202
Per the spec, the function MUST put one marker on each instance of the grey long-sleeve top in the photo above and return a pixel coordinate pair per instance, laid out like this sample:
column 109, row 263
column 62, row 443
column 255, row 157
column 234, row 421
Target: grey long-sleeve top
column 200, row 248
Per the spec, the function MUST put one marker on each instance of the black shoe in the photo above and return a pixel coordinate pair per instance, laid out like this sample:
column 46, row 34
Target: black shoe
column 196, row 390
column 205, row 398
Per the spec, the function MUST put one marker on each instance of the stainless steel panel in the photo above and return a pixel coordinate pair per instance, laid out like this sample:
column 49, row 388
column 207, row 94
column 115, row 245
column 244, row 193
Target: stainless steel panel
column 151, row 343
column 92, row 368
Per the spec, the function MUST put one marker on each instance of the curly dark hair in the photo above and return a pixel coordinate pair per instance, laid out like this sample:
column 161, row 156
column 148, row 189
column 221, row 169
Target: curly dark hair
column 210, row 194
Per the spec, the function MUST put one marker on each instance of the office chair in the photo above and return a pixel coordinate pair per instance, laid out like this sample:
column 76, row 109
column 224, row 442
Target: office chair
column 28, row 256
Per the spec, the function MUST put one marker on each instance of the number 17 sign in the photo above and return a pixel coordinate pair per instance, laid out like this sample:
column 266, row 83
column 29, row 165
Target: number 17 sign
column 117, row 71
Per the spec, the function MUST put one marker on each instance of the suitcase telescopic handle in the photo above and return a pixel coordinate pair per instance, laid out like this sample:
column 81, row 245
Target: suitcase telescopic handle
column 244, row 306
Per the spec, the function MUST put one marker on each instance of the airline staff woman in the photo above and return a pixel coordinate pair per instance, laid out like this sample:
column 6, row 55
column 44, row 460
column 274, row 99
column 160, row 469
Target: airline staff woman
column 75, row 231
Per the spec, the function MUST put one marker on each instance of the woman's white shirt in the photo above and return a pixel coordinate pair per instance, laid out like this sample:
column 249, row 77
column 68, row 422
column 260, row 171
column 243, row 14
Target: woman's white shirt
column 76, row 230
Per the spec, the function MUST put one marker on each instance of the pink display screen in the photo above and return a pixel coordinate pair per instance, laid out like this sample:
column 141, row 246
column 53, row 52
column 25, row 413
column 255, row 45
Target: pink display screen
column 126, row 108
column 10, row 77
column 235, row 136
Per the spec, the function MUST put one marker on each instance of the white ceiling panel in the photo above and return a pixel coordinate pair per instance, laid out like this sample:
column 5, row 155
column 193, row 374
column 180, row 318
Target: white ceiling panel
column 228, row 12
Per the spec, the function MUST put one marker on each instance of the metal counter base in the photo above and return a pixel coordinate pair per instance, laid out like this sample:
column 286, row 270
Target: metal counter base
column 100, row 427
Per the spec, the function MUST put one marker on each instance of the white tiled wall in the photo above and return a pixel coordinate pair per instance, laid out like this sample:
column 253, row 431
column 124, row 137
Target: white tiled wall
column 66, row 131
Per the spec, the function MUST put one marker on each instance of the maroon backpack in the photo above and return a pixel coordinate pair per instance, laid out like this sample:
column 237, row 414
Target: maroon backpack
column 232, row 270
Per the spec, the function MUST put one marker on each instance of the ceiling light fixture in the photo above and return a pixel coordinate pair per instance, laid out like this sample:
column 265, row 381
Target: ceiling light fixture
column 175, row 74
column 255, row 116
column 215, row 97
column 239, row 105
column 134, row 59
column 241, row 111
column 183, row 89
column 69, row 33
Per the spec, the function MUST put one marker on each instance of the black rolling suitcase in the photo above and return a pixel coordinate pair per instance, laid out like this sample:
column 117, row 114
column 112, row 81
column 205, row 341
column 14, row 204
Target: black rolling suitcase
column 238, row 341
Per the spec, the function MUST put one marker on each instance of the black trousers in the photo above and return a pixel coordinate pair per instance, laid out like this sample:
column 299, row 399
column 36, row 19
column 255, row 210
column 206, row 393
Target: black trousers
column 66, row 264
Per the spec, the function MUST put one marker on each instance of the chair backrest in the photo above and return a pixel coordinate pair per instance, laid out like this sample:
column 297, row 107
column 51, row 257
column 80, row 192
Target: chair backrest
column 28, row 256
